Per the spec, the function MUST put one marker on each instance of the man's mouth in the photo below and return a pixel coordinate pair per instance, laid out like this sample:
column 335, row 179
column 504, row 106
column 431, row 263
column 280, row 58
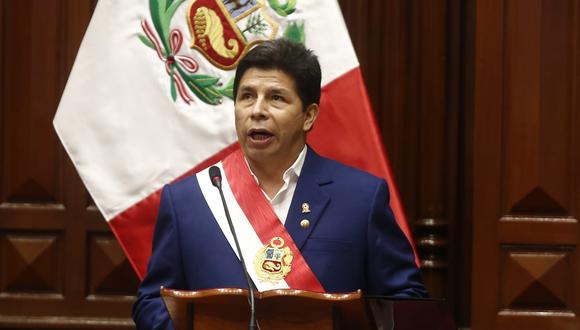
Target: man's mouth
column 259, row 134
column 260, row 138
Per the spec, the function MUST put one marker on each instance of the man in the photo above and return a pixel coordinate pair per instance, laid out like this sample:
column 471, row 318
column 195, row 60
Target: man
column 303, row 221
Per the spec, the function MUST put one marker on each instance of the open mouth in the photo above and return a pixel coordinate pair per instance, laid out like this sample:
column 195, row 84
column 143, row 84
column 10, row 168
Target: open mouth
column 259, row 134
column 260, row 138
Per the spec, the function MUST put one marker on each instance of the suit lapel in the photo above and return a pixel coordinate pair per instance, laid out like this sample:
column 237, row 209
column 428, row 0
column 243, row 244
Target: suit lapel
column 308, row 190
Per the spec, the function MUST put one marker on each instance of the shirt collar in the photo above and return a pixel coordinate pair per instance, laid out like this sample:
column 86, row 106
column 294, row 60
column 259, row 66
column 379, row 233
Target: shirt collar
column 296, row 168
column 293, row 171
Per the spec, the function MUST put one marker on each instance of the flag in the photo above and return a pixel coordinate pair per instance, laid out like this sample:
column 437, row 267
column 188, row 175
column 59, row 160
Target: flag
column 149, row 99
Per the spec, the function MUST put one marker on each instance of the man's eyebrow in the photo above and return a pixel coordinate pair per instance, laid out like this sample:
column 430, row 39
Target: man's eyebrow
column 272, row 89
column 279, row 90
column 246, row 87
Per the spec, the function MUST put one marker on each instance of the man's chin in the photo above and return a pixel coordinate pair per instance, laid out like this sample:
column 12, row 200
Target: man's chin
column 258, row 155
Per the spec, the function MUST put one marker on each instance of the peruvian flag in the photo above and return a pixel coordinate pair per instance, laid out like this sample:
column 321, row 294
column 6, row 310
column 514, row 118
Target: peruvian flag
column 149, row 99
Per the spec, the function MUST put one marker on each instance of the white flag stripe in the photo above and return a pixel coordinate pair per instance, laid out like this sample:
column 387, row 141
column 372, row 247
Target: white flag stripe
column 249, row 241
column 118, row 122
column 327, row 36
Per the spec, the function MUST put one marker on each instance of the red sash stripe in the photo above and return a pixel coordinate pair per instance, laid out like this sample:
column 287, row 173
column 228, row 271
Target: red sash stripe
column 265, row 221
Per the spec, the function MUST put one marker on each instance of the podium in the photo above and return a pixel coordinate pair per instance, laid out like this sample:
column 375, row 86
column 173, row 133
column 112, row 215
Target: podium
column 228, row 308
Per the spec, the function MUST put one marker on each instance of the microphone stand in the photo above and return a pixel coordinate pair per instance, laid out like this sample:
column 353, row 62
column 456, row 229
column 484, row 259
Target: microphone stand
column 216, row 179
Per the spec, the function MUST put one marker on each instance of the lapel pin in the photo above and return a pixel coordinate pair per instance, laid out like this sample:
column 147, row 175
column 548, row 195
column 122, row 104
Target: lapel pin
column 305, row 208
column 304, row 223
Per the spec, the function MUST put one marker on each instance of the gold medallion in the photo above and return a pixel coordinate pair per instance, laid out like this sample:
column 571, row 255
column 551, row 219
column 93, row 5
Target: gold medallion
column 305, row 208
column 273, row 261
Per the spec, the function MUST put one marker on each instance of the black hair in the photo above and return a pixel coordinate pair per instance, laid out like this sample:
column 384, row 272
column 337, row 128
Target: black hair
column 290, row 57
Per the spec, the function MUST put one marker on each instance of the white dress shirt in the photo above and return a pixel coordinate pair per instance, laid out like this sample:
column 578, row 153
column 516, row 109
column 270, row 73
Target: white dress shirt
column 283, row 198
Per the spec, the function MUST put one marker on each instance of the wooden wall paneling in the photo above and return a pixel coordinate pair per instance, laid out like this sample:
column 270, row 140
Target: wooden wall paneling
column 61, row 266
column 487, row 130
column 23, row 181
column 461, row 233
column 383, row 52
column 388, row 76
column 2, row 98
column 70, row 41
column 411, row 68
column 538, row 113
column 525, row 202
column 109, row 272
column 30, row 180
column 453, row 173
column 434, row 182
column 396, row 108
column 32, row 264
column 406, row 64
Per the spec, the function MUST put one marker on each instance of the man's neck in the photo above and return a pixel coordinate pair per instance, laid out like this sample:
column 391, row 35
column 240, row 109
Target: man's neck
column 270, row 174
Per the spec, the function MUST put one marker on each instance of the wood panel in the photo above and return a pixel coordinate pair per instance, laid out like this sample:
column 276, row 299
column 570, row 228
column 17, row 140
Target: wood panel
column 526, row 232
column 23, row 180
column 32, row 264
column 409, row 53
column 60, row 266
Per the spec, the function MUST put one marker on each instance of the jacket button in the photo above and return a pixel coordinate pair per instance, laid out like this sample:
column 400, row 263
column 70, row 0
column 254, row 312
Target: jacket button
column 304, row 223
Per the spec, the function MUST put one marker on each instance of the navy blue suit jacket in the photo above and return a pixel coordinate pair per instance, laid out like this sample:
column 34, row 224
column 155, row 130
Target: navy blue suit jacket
column 353, row 241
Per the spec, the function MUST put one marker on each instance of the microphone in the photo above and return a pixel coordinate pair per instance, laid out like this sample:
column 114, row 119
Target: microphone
column 215, row 176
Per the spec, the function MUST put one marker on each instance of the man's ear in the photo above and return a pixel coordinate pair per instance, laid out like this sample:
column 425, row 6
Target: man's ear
column 310, row 116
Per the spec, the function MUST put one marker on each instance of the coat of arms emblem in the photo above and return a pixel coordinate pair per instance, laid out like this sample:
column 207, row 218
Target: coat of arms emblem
column 273, row 261
column 222, row 31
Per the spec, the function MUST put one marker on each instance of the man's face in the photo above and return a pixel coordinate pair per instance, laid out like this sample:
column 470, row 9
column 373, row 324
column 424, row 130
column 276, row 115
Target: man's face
column 270, row 123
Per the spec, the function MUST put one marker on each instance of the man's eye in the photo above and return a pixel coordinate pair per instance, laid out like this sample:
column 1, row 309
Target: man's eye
column 277, row 98
column 245, row 96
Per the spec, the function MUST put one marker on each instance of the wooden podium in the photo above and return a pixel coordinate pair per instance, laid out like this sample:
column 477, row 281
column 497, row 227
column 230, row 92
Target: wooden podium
column 276, row 309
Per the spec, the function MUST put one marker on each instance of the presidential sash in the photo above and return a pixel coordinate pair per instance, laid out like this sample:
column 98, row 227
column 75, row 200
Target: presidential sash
column 272, row 258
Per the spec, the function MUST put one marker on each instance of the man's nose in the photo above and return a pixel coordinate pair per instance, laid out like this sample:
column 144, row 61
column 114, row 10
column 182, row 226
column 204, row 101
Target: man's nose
column 260, row 108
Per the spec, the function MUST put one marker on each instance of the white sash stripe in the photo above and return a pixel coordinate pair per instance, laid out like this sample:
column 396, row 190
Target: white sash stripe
column 249, row 241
